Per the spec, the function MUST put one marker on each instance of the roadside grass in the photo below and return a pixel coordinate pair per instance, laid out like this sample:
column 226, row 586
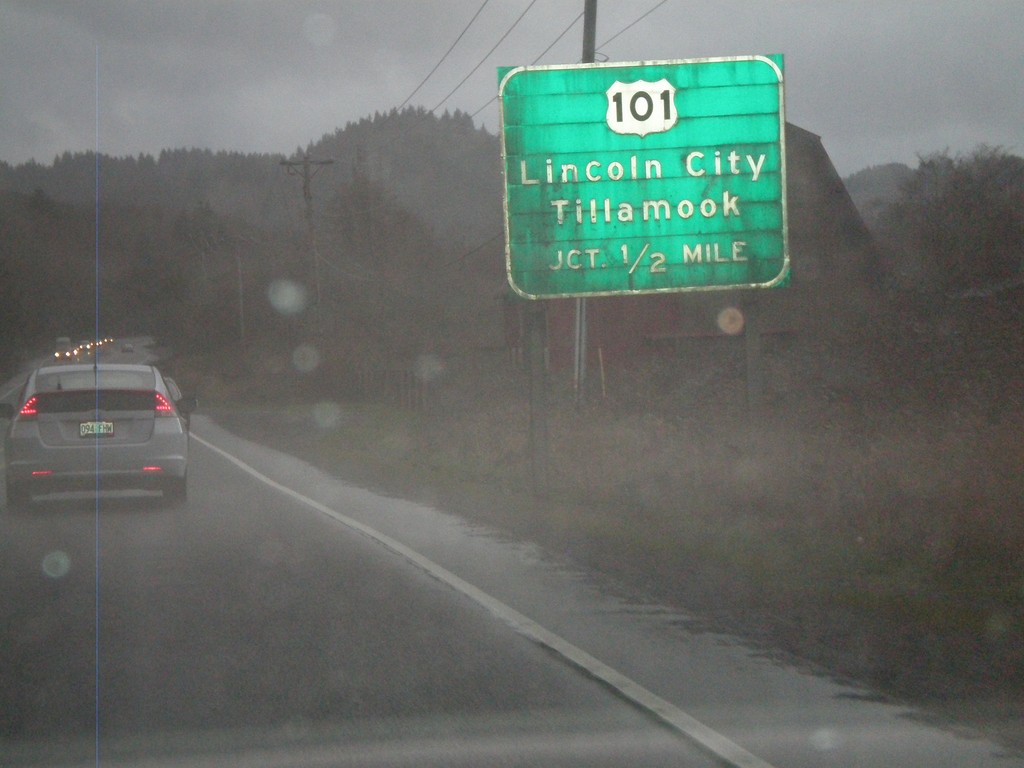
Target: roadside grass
column 885, row 545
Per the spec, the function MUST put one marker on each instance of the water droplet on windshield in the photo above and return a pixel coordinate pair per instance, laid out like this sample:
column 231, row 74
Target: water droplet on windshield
column 287, row 297
column 56, row 564
column 429, row 368
column 327, row 415
column 730, row 321
column 998, row 626
column 305, row 358
column 824, row 739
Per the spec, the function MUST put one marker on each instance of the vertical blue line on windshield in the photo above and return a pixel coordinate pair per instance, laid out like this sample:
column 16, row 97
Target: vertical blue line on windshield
column 96, row 335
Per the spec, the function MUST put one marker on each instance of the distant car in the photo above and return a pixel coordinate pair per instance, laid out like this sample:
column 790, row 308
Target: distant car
column 127, row 347
column 99, row 427
column 62, row 348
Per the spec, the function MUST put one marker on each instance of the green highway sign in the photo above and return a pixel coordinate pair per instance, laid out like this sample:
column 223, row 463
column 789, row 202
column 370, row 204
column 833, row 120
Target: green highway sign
column 649, row 177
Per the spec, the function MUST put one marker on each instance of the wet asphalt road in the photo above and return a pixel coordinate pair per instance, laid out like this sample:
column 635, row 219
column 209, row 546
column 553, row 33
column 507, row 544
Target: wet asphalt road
column 245, row 622
column 251, row 628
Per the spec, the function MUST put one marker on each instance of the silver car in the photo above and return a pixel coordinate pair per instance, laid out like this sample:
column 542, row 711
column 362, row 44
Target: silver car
column 86, row 427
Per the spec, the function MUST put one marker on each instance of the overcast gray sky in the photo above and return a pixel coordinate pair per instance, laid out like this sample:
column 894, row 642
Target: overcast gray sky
column 879, row 80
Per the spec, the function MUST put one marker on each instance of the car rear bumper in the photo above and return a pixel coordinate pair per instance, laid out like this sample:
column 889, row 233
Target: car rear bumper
column 109, row 481
column 112, row 466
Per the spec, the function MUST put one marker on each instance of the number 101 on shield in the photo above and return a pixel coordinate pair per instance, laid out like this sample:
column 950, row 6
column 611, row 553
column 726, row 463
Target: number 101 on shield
column 641, row 107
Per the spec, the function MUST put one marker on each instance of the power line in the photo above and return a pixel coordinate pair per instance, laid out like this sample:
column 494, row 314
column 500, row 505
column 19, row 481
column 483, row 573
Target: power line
column 565, row 31
column 487, row 56
column 563, row 34
column 541, row 55
column 633, row 24
column 475, row 249
column 445, row 56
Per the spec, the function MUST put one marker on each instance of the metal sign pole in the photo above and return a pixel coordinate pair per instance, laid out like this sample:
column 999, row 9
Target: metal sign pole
column 580, row 356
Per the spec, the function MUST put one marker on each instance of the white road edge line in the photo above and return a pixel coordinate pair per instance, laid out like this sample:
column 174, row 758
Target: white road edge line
column 704, row 736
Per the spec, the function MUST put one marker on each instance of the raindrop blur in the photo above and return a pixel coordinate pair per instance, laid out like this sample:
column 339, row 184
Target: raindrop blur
column 56, row 564
column 319, row 29
column 998, row 626
column 306, row 358
column 730, row 321
column 287, row 297
column 429, row 368
column 327, row 415
column 824, row 739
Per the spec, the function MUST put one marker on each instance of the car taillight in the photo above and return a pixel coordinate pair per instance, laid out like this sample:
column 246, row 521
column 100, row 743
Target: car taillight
column 163, row 406
column 30, row 409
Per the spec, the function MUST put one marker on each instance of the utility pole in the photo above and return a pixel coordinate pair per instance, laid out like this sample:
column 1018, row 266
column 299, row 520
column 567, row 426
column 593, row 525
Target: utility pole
column 589, row 31
column 536, row 334
column 241, row 298
column 307, row 168
column 580, row 346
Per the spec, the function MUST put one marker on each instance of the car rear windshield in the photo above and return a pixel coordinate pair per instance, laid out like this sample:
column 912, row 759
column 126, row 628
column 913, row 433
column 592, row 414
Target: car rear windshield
column 90, row 379
column 74, row 401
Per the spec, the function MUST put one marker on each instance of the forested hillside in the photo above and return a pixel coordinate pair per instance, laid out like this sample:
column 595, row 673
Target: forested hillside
column 408, row 248
column 876, row 188
column 443, row 169
column 188, row 246
column 875, row 449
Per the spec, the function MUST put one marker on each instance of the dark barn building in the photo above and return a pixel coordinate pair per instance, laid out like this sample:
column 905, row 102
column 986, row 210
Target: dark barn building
column 833, row 284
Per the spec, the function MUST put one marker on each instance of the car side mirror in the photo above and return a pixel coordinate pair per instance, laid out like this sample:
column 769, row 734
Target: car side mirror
column 188, row 405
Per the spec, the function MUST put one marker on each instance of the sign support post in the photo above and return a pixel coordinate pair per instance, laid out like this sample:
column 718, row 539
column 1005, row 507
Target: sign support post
column 580, row 360
column 639, row 178
column 536, row 344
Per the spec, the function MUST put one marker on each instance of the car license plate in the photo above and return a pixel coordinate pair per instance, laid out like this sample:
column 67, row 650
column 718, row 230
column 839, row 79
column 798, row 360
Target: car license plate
column 96, row 428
